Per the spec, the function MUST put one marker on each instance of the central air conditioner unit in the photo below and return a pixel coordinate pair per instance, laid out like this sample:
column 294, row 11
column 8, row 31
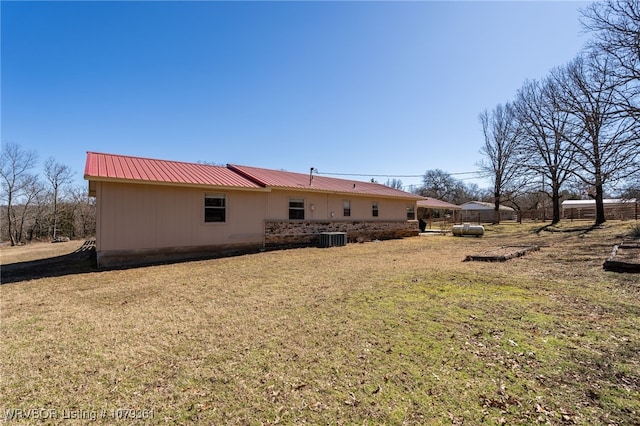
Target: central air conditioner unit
column 333, row 239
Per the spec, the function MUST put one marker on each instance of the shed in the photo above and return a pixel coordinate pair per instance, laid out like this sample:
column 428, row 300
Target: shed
column 479, row 211
column 614, row 208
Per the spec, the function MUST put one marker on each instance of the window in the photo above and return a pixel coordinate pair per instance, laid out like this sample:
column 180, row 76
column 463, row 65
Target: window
column 374, row 209
column 411, row 212
column 215, row 208
column 296, row 209
column 346, row 208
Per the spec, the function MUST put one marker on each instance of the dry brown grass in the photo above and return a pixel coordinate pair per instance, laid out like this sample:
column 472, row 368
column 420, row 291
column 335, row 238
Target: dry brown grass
column 35, row 251
column 394, row 332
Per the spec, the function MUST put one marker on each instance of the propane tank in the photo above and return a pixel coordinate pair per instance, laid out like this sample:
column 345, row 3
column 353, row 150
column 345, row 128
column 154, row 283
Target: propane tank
column 467, row 229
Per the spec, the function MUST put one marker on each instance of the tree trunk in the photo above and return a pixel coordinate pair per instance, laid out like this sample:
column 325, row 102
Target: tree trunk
column 600, row 217
column 9, row 221
column 55, row 213
column 555, row 200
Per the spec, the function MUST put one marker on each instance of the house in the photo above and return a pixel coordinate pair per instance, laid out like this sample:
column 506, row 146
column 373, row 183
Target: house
column 614, row 208
column 478, row 211
column 152, row 210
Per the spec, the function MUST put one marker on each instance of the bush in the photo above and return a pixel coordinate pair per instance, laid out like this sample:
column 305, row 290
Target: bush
column 635, row 230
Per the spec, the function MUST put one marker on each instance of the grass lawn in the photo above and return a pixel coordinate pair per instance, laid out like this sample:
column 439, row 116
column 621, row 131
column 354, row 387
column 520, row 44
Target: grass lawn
column 392, row 332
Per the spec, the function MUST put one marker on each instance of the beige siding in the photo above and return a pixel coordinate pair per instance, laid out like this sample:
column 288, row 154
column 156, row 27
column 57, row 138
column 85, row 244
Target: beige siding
column 139, row 216
column 134, row 216
column 325, row 204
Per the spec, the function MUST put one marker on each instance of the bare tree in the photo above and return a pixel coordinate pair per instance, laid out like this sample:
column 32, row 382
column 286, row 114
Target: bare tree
column 394, row 183
column 84, row 211
column 438, row 184
column 632, row 189
column 501, row 132
column 545, row 141
column 59, row 176
column 608, row 143
column 39, row 214
column 17, row 185
column 616, row 29
column 442, row 186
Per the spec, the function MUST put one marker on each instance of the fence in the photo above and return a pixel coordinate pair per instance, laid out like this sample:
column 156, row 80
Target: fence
column 617, row 212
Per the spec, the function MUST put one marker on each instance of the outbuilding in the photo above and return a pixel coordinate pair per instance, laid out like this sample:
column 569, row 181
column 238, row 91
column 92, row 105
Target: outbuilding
column 479, row 211
column 430, row 208
column 151, row 210
column 614, row 208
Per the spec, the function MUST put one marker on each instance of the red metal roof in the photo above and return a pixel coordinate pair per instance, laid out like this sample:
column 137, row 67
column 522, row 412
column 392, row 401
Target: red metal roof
column 302, row 181
column 434, row 203
column 121, row 167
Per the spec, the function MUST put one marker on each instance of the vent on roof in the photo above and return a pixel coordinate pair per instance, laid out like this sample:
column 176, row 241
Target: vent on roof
column 333, row 239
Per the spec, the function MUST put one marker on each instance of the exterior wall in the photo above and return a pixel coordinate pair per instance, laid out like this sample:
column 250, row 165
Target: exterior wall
column 325, row 213
column 611, row 212
column 141, row 223
column 306, row 232
column 478, row 215
column 150, row 223
column 320, row 206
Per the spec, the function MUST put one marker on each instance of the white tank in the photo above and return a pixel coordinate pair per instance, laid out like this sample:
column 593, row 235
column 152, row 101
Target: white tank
column 467, row 229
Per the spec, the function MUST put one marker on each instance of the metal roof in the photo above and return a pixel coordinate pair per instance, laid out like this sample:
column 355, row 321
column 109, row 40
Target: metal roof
column 111, row 167
column 434, row 203
column 591, row 203
column 135, row 169
column 309, row 182
column 480, row 205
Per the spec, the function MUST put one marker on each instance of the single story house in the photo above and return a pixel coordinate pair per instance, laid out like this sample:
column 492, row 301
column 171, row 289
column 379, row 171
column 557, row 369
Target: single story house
column 614, row 208
column 478, row 211
column 151, row 210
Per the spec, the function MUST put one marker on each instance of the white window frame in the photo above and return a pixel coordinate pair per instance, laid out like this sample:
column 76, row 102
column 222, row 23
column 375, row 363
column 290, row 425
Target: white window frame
column 223, row 207
column 296, row 208
column 346, row 208
column 411, row 210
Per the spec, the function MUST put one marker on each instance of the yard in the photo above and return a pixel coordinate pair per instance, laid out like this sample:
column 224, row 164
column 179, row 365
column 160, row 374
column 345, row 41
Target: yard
column 392, row 332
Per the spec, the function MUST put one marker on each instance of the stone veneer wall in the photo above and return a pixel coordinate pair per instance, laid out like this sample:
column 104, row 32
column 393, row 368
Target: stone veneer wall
column 307, row 232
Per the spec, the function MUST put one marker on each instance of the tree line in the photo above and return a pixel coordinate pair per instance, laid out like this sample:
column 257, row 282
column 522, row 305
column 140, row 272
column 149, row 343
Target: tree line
column 41, row 207
column 577, row 127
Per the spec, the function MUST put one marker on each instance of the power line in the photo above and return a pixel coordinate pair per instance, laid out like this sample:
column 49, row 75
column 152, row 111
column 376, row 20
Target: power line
column 390, row 176
column 365, row 174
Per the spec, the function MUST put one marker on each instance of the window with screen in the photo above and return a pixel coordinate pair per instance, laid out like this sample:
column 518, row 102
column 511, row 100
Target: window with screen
column 411, row 212
column 296, row 209
column 215, row 208
column 346, row 208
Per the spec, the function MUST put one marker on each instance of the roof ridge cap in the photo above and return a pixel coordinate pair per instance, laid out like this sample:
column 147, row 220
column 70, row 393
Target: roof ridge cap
column 237, row 169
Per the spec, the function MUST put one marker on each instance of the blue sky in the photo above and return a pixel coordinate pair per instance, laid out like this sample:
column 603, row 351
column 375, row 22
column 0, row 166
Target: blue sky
column 378, row 88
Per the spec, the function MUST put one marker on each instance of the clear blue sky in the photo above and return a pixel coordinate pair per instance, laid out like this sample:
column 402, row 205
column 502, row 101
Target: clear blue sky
column 382, row 88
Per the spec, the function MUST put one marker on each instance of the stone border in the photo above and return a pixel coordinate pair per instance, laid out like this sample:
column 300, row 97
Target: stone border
column 617, row 260
column 501, row 254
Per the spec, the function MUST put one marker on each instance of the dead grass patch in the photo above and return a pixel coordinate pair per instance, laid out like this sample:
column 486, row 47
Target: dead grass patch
column 393, row 332
column 36, row 251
